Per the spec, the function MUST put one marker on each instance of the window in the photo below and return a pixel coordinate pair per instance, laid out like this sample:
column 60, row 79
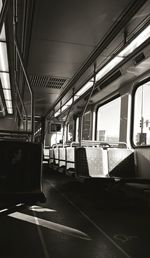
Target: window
column 141, row 121
column 86, row 129
column 70, row 130
column 108, row 121
column 77, row 130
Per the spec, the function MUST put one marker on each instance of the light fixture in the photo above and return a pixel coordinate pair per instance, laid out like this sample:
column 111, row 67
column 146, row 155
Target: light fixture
column 57, row 113
column 3, row 57
column 4, row 69
column 69, row 102
column 106, row 69
column 8, row 104
column 5, row 80
column 64, row 108
column 86, row 87
column 2, row 34
column 133, row 45
column 10, row 111
column 7, row 94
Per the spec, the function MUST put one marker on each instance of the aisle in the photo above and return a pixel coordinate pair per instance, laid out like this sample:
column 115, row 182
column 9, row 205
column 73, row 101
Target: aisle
column 77, row 221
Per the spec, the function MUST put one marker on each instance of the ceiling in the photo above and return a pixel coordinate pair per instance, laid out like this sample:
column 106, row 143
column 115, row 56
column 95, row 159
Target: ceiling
column 62, row 39
column 63, row 36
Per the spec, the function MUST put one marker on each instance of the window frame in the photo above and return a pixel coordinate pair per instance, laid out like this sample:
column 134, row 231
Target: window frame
column 90, row 129
column 133, row 112
column 100, row 105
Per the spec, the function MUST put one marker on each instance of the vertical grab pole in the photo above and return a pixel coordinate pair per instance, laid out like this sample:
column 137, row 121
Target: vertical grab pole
column 23, row 106
column 24, row 70
column 29, row 87
column 65, row 123
column 19, row 112
column 85, row 107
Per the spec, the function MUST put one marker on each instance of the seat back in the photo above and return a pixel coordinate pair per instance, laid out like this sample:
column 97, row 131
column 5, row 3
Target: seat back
column 21, row 166
column 70, row 157
column 121, row 163
column 91, row 162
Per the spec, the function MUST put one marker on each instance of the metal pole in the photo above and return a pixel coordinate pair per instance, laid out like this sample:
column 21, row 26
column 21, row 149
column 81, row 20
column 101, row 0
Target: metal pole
column 42, row 130
column 3, row 13
column 24, row 71
column 29, row 87
column 85, row 107
column 21, row 117
column 14, row 132
column 23, row 106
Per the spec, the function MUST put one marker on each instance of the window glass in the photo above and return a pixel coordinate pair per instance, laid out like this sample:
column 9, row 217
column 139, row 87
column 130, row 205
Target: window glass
column 141, row 126
column 77, row 130
column 70, row 130
column 86, row 129
column 108, row 121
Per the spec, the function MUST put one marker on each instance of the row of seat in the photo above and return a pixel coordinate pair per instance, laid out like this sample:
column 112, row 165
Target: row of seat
column 63, row 159
column 93, row 160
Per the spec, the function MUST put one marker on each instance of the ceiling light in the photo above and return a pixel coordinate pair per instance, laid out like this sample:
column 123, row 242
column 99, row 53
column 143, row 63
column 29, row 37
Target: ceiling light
column 5, row 80
column 8, row 104
column 10, row 111
column 69, row 102
column 57, row 113
column 86, row 87
column 135, row 43
column 116, row 60
column 139, row 40
column 64, row 108
column 3, row 57
column 7, row 94
column 2, row 34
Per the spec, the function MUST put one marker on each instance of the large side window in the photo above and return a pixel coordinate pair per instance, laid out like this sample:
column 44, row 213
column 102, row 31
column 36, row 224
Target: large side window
column 108, row 121
column 141, row 121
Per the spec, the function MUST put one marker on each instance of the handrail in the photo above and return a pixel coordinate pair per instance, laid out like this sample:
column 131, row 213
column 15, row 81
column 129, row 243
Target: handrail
column 23, row 106
column 85, row 107
column 120, row 24
column 19, row 112
column 29, row 87
column 5, row 132
column 113, row 144
column 23, row 69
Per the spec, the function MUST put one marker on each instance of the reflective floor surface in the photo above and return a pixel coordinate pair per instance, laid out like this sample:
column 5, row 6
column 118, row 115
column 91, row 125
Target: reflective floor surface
column 77, row 221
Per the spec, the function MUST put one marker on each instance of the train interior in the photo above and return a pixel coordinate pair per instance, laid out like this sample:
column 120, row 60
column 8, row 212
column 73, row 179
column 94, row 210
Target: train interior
column 74, row 128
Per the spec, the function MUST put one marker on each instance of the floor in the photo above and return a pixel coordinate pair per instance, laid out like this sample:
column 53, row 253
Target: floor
column 77, row 221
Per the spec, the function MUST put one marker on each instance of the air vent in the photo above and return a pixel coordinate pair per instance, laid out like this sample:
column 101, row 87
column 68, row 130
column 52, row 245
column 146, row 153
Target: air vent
column 139, row 58
column 46, row 81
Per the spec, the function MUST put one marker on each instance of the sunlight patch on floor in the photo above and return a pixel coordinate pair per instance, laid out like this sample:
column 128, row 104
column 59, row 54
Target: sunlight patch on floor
column 50, row 225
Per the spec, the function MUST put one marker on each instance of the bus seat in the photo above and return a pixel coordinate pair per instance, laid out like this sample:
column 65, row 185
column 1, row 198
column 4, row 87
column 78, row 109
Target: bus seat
column 121, row 163
column 70, row 160
column 21, row 171
column 62, row 160
column 62, row 156
column 91, row 162
column 142, row 162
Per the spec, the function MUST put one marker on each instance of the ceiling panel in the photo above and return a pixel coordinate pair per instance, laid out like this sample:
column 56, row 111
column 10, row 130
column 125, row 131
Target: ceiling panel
column 64, row 34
